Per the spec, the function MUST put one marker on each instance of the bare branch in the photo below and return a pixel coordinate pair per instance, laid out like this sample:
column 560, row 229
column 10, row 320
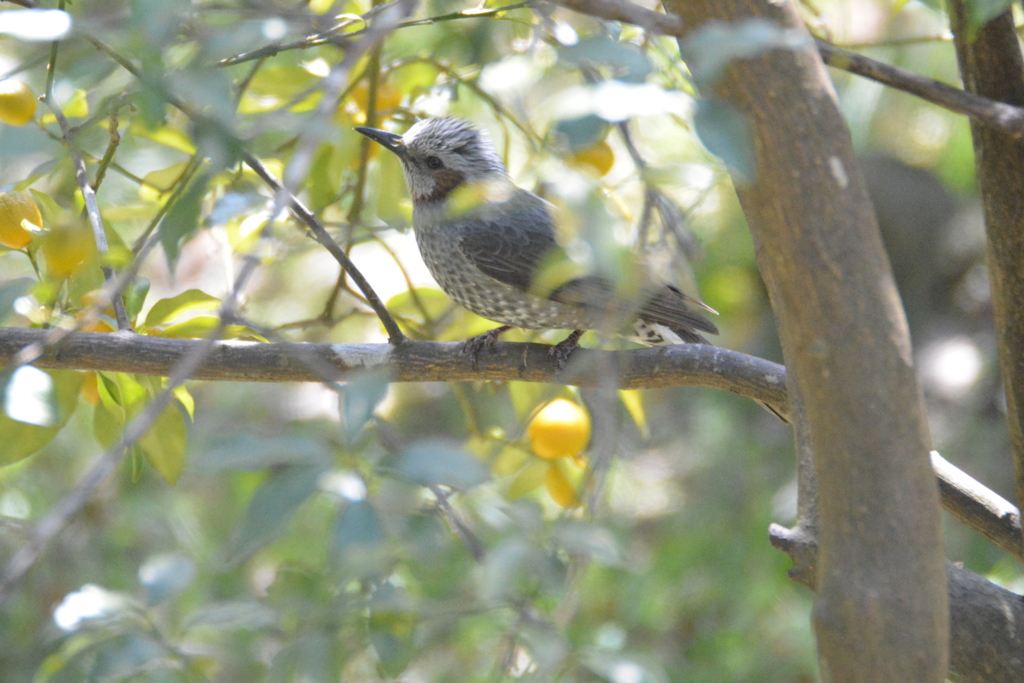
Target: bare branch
column 92, row 210
column 965, row 498
column 978, row 507
column 986, row 621
column 412, row 361
column 999, row 115
column 335, row 36
column 395, row 334
column 627, row 12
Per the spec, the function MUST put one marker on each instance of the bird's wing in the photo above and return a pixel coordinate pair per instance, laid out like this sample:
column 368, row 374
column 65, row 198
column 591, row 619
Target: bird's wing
column 510, row 240
column 514, row 242
column 665, row 305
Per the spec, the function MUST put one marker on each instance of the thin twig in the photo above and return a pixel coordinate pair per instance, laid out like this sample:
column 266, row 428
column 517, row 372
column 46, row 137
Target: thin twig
column 82, row 177
column 628, row 13
column 335, row 37
column 1004, row 117
column 108, row 156
column 394, row 332
column 999, row 115
column 68, row 507
column 395, row 335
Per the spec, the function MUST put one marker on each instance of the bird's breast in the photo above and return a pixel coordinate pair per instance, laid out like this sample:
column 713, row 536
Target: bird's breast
column 483, row 295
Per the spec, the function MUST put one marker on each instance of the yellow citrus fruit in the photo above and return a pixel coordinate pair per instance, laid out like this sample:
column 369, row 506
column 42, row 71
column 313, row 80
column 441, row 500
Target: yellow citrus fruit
column 598, row 156
column 560, row 430
column 90, row 300
column 90, row 391
column 388, row 96
column 17, row 102
column 564, row 481
column 14, row 208
column 67, row 248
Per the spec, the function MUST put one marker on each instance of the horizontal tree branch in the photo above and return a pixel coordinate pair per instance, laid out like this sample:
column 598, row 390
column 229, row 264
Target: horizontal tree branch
column 411, row 361
column 968, row 500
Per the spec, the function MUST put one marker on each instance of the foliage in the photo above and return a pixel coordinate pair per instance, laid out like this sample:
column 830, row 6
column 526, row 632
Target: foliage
column 379, row 531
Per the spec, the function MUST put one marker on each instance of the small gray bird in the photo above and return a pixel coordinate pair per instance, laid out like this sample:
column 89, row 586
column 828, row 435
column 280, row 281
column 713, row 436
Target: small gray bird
column 491, row 247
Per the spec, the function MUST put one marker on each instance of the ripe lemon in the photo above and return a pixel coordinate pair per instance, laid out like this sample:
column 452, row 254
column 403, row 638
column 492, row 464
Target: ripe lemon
column 67, row 248
column 598, row 156
column 17, row 102
column 560, row 430
column 14, row 208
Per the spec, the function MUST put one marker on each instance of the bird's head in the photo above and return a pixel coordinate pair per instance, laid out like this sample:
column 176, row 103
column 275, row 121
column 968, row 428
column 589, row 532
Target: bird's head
column 440, row 155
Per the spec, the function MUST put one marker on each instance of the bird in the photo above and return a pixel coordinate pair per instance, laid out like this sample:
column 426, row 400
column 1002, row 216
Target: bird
column 492, row 247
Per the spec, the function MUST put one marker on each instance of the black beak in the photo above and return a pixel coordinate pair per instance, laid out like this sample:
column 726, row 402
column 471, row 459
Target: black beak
column 390, row 141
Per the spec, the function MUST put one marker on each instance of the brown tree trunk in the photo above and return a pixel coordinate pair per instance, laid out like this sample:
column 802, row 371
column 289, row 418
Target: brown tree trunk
column 881, row 612
column 991, row 66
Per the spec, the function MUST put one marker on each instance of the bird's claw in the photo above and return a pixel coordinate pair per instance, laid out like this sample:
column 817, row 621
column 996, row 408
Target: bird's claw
column 563, row 349
column 474, row 345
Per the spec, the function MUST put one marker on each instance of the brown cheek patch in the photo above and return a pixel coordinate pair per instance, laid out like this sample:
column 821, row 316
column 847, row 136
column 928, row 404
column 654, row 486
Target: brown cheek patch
column 445, row 182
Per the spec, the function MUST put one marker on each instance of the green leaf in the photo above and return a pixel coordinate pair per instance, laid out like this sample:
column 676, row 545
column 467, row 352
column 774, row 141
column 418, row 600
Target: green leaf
column 420, row 306
column 187, row 402
column 120, row 390
column 166, row 442
column 107, row 425
column 202, row 326
column 391, row 192
column 357, row 525
column 135, row 296
column 362, row 396
column 437, row 462
column 321, row 182
column 724, row 132
column 314, row 657
column 21, row 439
column 627, row 61
column 631, row 398
column 711, row 48
column 392, row 627
column 271, row 507
column 53, row 213
column 169, row 309
column 582, row 132
column 529, row 478
column 182, row 221
column 198, row 327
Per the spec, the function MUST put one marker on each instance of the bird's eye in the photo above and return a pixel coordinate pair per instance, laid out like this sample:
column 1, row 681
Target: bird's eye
column 434, row 163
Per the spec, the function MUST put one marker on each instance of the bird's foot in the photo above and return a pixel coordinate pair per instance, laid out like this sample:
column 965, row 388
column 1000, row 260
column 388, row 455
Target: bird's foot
column 474, row 345
column 563, row 349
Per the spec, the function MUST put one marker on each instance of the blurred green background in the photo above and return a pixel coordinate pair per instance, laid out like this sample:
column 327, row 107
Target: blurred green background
column 283, row 532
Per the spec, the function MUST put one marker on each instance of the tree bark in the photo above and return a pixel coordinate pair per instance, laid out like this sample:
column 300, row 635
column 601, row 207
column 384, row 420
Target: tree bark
column 986, row 621
column 881, row 612
column 991, row 66
column 412, row 361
